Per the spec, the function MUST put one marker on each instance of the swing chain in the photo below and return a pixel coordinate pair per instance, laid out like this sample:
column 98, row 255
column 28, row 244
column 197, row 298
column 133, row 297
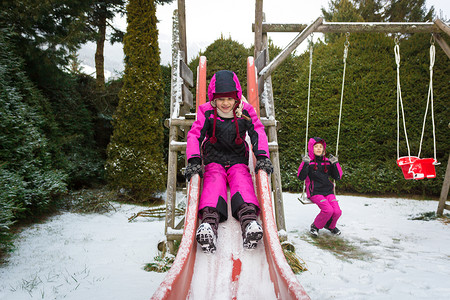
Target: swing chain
column 346, row 44
column 311, row 44
column 432, row 53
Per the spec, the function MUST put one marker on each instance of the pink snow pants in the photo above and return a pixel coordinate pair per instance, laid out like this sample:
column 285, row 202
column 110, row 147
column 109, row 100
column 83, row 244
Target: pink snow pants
column 329, row 208
column 214, row 193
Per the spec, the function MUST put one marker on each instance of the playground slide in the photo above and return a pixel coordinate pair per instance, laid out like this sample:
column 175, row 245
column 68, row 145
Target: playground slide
column 231, row 272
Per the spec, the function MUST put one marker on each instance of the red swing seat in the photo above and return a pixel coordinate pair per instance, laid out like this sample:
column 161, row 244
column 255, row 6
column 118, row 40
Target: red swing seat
column 417, row 168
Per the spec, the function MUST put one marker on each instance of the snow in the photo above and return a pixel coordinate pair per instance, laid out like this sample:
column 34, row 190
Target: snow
column 95, row 256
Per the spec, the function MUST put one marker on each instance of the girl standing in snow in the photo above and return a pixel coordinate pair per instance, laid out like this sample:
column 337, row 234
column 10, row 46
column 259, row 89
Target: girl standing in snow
column 217, row 139
column 316, row 170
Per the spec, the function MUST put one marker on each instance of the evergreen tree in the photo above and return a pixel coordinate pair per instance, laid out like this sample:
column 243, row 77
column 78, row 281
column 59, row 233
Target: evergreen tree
column 225, row 54
column 55, row 28
column 340, row 11
column 407, row 11
column 102, row 12
column 135, row 155
column 28, row 178
column 370, row 10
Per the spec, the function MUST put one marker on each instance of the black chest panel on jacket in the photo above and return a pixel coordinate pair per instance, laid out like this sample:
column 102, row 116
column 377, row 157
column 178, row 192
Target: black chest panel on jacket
column 225, row 151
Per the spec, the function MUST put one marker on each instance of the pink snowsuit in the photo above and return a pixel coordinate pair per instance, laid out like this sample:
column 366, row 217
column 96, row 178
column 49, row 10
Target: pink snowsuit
column 220, row 143
column 319, row 188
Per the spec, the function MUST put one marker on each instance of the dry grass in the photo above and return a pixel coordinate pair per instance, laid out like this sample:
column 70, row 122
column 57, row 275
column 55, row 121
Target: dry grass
column 89, row 201
column 164, row 261
column 156, row 212
column 297, row 264
column 430, row 216
column 339, row 246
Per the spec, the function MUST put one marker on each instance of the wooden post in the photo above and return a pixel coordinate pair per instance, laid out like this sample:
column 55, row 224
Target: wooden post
column 182, row 28
column 258, row 26
column 267, row 71
column 173, row 135
column 444, row 191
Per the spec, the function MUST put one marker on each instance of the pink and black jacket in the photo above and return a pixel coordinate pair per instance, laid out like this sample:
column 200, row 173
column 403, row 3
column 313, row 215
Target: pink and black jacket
column 318, row 172
column 221, row 140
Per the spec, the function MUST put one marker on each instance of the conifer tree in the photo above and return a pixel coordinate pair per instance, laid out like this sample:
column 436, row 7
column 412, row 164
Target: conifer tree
column 135, row 154
column 407, row 11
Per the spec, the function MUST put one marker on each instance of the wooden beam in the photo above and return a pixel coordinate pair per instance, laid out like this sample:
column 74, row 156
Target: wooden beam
column 444, row 191
column 260, row 61
column 354, row 27
column 267, row 71
column 186, row 74
column 444, row 27
column 442, row 43
column 182, row 28
column 188, row 99
column 258, row 26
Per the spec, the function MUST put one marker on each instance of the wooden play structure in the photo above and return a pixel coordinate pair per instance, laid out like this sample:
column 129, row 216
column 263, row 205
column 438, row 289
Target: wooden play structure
column 177, row 284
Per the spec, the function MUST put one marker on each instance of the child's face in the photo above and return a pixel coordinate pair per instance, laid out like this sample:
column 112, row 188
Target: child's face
column 318, row 149
column 225, row 104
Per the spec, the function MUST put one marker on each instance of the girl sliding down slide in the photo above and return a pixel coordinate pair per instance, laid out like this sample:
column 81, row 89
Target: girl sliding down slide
column 217, row 139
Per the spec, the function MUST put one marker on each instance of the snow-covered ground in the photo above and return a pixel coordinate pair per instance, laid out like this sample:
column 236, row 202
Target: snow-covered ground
column 381, row 254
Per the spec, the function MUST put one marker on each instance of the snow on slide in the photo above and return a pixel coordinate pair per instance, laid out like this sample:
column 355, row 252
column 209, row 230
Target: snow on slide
column 231, row 272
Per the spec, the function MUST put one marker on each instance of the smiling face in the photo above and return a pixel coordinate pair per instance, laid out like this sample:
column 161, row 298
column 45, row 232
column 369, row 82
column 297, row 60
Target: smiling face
column 225, row 104
column 318, row 149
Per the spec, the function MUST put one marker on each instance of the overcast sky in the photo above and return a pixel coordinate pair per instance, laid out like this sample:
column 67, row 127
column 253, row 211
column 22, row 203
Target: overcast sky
column 207, row 20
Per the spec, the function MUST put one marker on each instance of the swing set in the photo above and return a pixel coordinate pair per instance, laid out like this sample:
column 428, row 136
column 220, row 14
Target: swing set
column 413, row 167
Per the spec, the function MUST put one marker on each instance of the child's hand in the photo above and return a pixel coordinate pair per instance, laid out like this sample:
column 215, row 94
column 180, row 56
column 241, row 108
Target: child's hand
column 264, row 163
column 306, row 159
column 194, row 167
column 333, row 159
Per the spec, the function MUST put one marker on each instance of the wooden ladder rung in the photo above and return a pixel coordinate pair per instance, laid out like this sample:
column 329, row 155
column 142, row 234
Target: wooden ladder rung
column 177, row 146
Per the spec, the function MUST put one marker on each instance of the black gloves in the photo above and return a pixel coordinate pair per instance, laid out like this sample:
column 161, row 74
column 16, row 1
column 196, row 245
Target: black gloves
column 333, row 159
column 263, row 163
column 194, row 167
column 306, row 159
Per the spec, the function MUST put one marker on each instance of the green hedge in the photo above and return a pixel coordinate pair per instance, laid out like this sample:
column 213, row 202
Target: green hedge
column 28, row 179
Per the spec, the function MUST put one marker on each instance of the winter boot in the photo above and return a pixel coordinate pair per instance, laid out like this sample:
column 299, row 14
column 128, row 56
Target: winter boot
column 314, row 230
column 334, row 231
column 252, row 235
column 206, row 238
column 206, row 234
column 252, row 232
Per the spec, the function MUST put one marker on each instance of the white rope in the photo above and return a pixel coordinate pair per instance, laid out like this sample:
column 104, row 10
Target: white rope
column 430, row 99
column 400, row 101
column 307, row 107
column 309, row 95
column 346, row 44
